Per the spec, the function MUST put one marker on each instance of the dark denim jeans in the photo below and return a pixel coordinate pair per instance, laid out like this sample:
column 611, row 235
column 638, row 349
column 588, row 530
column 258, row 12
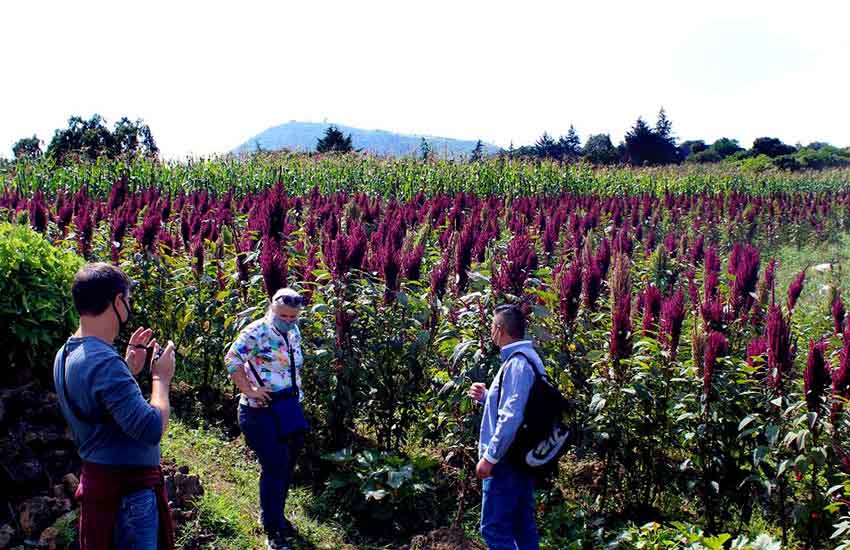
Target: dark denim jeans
column 137, row 522
column 507, row 510
column 266, row 434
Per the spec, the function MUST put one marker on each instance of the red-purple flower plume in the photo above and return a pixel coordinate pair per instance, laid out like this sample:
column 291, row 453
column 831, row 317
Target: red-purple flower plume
column 841, row 378
column 715, row 346
column 672, row 317
column 650, row 301
column 780, row 355
column 273, row 266
column 569, row 291
column 746, row 269
column 816, row 377
column 838, row 314
column 796, row 289
column 621, row 320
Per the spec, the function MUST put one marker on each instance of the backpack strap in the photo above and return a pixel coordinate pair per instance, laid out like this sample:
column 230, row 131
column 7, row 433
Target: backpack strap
column 75, row 410
column 502, row 375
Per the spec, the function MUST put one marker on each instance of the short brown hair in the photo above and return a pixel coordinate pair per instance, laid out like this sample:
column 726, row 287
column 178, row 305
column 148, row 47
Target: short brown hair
column 96, row 286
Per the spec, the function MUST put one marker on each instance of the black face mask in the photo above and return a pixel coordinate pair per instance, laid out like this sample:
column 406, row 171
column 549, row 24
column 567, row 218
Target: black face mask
column 122, row 323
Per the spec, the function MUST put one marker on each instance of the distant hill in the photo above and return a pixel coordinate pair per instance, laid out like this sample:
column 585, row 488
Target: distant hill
column 302, row 136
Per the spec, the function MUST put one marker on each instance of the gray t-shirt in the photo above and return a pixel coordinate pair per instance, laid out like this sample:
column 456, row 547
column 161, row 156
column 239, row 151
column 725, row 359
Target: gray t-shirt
column 116, row 425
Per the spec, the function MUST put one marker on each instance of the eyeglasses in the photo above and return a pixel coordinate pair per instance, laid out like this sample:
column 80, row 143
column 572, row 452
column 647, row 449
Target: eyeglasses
column 289, row 300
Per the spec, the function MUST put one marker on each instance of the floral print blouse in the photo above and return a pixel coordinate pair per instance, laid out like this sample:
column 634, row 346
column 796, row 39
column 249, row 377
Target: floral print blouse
column 261, row 344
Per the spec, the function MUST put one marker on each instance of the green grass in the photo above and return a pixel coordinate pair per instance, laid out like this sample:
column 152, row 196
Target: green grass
column 230, row 506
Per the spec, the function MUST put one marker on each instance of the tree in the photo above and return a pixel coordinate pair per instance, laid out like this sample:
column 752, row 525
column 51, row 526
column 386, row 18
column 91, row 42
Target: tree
column 545, row 147
column 334, row 142
column 663, row 126
column 645, row 145
column 570, row 145
column 692, row 147
column 726, row 147
column 478, row 152
column 641, row 144
column 599, row 150
column 27, row 148
column 772, row 147
column 425, row 150
column 92, row 139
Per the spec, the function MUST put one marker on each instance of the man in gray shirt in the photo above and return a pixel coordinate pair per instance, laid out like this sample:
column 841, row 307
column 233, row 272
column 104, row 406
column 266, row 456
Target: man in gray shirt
column 116, row 430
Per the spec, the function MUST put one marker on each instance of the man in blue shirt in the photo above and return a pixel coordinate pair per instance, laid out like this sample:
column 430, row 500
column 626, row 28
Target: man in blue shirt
column 116, row 430
column 507, row 507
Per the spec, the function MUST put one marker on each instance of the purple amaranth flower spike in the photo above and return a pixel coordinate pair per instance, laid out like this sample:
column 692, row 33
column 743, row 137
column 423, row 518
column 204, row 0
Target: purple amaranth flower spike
column 746, row 279
column 621, row 322
column 569, row 290
column 796, row 289
column 650, row 300
column 439, row 277
column 672, row 317
column 780, row 356
column 38, row 213
column 412, row 265
column 816, row 377
column 84, row 226
column 197, row 247
column 841, row 378
column 273, row 266
column 838, row 314
column 148, row 232
column 715, row 346
column 711, row 273
column 756, row 349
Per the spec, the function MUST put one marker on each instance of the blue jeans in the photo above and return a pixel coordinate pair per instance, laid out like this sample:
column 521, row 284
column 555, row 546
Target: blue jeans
column 507, row 510
column 137, row 522
column 277, row 452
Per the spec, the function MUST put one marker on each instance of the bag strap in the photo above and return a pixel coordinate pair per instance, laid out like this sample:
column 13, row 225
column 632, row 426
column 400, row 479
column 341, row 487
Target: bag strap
column 63, row 373
column 292, row 373
column 502, row 375
column 291, row 354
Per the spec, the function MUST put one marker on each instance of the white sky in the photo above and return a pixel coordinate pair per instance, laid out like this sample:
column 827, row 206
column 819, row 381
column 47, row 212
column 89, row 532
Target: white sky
column 206, row 76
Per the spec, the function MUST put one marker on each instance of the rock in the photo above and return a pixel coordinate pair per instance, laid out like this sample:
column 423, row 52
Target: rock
column 49, row 538
column 27, row 471
column 6, row 534
column 34, row 516
column 188, row 487
column 170, row 489
column 71, row 483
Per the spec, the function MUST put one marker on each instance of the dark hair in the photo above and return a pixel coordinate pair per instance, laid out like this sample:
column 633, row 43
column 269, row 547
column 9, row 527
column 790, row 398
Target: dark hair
column 512, row 319
column 96, row 286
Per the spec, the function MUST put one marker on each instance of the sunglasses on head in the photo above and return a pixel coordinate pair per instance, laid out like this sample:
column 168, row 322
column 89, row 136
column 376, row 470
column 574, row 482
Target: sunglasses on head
column 289, row 300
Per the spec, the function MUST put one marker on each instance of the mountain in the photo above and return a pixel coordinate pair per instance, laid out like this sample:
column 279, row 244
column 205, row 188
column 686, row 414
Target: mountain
column 302, row 136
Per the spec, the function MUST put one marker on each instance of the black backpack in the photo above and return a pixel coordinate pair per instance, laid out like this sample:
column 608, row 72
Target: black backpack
column 543, row 437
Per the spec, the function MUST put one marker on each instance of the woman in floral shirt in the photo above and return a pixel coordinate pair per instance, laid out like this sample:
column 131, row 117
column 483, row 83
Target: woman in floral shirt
column 265, row 364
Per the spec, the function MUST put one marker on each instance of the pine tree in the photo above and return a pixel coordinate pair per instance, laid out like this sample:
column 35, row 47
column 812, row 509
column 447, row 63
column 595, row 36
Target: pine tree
column 478, row 152
column 570, row 145
column 425, row 150
column 334, row 141
column 546, row 146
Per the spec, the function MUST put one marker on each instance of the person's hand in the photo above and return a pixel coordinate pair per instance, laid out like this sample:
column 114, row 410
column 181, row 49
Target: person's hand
column 259, row 394
column 484, row 469
column 137, row 349
column 163, row 367
column 477, row 391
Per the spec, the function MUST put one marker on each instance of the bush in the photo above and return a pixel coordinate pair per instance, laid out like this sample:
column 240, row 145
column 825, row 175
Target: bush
column 385, row 493
column 36, row 308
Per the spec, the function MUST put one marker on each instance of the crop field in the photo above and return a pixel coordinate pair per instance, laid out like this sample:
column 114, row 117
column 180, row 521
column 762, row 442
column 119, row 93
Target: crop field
column 695, row 316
